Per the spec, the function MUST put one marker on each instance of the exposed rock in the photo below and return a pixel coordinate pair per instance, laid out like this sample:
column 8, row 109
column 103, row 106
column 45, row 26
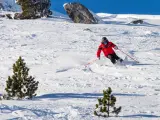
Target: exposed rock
column 18, row 16
column 137, row 22
column 21, row 16
column 79, row 13
column 9, row 16
column 32, row 9
column 2, row 16
column 87, row 29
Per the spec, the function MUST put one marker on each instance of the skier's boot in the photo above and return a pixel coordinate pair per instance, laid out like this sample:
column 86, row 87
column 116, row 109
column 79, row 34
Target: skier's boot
column 119, row 61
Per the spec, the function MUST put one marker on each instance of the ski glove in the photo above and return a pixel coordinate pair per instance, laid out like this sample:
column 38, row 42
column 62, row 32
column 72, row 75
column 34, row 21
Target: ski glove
column 109, row 56
column 99, row 58
column 116, row 48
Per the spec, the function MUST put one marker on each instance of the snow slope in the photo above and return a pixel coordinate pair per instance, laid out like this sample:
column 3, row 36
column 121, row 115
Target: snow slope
column 56, row 51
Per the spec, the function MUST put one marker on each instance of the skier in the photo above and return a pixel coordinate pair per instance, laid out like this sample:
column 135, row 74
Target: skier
column 107, row 48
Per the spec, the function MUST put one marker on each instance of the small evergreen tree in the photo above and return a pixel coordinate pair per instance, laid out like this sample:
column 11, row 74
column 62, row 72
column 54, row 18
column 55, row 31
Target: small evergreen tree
column 20, row 84
column 103, row 108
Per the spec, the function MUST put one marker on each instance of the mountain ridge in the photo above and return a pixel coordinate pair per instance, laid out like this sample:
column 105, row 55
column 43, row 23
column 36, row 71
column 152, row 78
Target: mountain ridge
column 9, row 5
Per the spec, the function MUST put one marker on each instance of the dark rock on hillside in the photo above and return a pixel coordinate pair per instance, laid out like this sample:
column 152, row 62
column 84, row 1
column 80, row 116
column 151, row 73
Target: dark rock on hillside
column 32, row 9
column 21, row 16
column 9, row 16
column 79, row 13
column 2, row 16
column 137, row 22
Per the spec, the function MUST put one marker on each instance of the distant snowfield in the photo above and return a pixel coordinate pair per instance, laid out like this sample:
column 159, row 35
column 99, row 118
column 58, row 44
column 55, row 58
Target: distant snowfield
column 57, row 50
column 130, row 16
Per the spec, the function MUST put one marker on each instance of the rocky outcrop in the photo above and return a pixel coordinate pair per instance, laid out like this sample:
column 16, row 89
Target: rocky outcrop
column 2, row 16
column 32, row 9
column 79, row 13
column 137, row 22
column 20, row 16
column 9, row 16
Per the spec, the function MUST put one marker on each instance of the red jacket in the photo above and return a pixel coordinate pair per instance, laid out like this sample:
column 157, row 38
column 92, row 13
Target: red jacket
column 107, row 49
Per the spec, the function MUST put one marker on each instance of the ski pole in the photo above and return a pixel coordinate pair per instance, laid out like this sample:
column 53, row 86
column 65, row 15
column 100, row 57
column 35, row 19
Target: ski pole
column 91, row 62
column 129, row 56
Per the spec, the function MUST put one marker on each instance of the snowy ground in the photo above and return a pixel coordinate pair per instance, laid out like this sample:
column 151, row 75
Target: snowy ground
column 56, row 51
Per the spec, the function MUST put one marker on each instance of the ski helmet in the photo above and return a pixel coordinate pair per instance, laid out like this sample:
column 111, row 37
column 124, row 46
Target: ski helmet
column 104, row 40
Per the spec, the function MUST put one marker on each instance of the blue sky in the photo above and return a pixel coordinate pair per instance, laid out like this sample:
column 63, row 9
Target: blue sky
column 114, row 6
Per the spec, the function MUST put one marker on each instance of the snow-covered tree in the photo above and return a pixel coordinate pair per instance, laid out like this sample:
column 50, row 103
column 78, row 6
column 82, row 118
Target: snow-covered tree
column 103, row 108
column 20, row 84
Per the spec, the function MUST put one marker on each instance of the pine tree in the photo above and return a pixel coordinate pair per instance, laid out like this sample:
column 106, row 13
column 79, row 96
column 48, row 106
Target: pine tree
column 20, row 84
column 103, row 108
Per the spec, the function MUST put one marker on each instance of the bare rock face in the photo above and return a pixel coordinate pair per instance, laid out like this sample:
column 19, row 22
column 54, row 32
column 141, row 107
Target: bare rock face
column 33, row 9
column 79, row 13
column 2, row 16
column 9, row 16
column 21, row 16
column 137, row 22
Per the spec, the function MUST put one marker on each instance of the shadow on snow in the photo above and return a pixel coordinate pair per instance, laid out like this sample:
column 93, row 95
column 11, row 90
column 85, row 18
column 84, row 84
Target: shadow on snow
column 141, row 115
column 37, row 112
column 83, row 95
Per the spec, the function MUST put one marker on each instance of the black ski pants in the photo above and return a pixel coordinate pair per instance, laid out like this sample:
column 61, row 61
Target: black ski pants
column 113, row 57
